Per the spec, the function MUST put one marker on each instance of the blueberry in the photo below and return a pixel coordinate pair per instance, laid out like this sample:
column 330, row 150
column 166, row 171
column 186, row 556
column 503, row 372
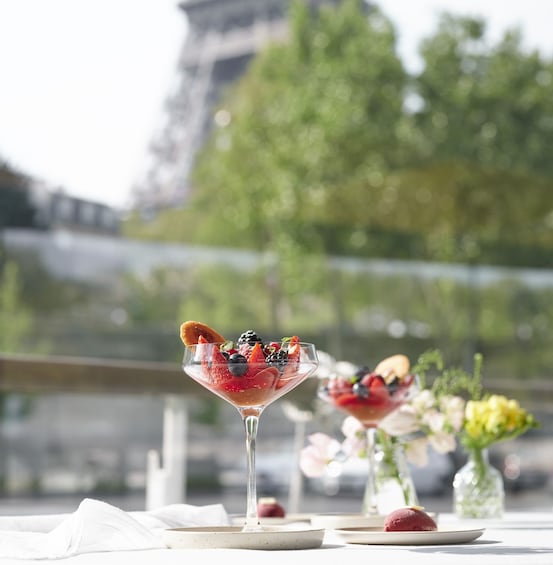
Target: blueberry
column 360, row 373
column 237, row 364
column 360, row 390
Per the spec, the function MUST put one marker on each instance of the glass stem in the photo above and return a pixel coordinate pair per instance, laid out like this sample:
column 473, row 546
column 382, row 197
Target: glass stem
column 252, row 520
column 369, row 499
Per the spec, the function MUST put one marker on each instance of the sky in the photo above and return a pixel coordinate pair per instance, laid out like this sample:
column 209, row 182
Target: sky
column 83, row 82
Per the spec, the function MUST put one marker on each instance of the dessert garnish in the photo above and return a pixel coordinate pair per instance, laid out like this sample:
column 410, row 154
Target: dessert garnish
column 191, row 331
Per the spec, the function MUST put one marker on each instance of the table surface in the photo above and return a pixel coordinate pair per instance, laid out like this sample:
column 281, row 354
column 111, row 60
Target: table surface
column 524, row 538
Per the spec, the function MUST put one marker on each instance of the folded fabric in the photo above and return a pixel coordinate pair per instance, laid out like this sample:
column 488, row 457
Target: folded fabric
column 98, row 526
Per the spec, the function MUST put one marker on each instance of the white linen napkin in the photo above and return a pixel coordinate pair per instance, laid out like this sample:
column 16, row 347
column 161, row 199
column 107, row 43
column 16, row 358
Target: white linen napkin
column 98, row 526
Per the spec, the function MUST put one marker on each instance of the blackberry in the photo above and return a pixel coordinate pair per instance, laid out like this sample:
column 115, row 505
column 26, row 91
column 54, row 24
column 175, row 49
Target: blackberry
column 249, row 337
column 277, row 359
column 237, row 364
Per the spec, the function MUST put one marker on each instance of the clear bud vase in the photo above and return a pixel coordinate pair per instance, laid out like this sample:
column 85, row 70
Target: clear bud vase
column 478, row 489
column 394, row 484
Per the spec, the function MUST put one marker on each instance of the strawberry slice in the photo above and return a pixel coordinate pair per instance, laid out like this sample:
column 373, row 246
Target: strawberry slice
column 293, row 363
column 378, row 393
column 219, row 367
column 294, row 349
column 201, row 354
column 347, row 399
column 256, row 361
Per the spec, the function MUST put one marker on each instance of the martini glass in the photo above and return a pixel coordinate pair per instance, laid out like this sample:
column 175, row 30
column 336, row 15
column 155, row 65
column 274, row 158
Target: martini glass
column 369, row 396
column 250, row 386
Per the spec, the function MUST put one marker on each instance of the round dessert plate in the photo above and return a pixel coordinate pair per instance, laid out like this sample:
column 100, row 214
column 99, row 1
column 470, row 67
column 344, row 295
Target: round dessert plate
column 377, row 536
column 216, row 537
column 341, row 520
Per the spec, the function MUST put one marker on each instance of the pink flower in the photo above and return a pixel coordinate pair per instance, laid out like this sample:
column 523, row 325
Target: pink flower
column 315, row 457
column 355, row 441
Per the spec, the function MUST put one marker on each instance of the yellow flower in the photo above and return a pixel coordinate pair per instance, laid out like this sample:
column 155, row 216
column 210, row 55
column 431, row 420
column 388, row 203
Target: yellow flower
column 494, row 419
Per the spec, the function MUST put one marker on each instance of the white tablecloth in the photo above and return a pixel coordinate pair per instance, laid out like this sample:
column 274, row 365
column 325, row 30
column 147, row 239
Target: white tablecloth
column 521, row 538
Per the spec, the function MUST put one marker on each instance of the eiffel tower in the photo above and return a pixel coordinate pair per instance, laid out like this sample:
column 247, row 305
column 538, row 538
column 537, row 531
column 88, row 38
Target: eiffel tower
column 222, row 37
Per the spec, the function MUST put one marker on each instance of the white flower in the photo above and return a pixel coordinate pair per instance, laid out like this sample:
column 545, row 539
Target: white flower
column 442, row 442
column 345, row 368
column 326, row 366
column 416, row 450
column 434, row 420
column 401, row 421
column 454, row 409
column 424, row 400
column 352, row 428
column 315, row 457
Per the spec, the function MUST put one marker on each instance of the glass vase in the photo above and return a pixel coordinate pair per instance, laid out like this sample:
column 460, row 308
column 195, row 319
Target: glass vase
column 478, row 489
column 394, row 484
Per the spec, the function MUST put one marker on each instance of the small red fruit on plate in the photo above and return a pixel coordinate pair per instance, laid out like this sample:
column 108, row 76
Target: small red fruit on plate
column 409, row 519
column 269, row 507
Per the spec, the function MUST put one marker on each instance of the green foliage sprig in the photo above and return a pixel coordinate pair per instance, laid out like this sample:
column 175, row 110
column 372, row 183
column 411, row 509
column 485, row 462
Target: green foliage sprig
column 449, row 380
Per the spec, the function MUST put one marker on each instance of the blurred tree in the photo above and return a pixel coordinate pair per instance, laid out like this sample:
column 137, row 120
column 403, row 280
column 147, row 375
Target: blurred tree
column 308, row 122
column 15, row 319
column 487, row 104
column 482, row 180
column 16, row 323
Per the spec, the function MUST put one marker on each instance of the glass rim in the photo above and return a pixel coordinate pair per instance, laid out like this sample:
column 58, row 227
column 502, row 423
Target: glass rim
column 265, row 343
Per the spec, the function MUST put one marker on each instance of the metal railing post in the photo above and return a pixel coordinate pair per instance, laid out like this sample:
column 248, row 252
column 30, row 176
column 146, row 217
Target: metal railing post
column 166, row 479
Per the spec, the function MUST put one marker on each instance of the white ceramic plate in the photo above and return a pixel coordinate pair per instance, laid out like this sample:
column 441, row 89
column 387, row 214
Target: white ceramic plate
column 376, row 536
column 270, row 537
column 342, row 520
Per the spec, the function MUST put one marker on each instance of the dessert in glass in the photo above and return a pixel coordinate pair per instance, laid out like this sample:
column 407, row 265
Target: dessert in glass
column 249, row 374
column 369, row 396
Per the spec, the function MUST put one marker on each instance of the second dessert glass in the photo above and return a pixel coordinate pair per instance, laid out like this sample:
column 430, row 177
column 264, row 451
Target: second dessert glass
column 369, row 396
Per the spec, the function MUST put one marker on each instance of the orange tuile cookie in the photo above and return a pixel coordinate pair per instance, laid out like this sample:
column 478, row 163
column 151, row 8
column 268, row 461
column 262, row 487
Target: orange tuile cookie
column 392, row 367
column 191, row 331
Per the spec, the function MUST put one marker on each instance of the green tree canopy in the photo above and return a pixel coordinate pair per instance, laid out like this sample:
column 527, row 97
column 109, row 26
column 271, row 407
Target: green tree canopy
column 309, row 119
column 491, row 105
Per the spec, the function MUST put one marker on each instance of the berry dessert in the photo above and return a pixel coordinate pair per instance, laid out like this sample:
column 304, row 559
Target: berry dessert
column 369, row 395
column 269, row 507
column 248, row 371
column 409, row 519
